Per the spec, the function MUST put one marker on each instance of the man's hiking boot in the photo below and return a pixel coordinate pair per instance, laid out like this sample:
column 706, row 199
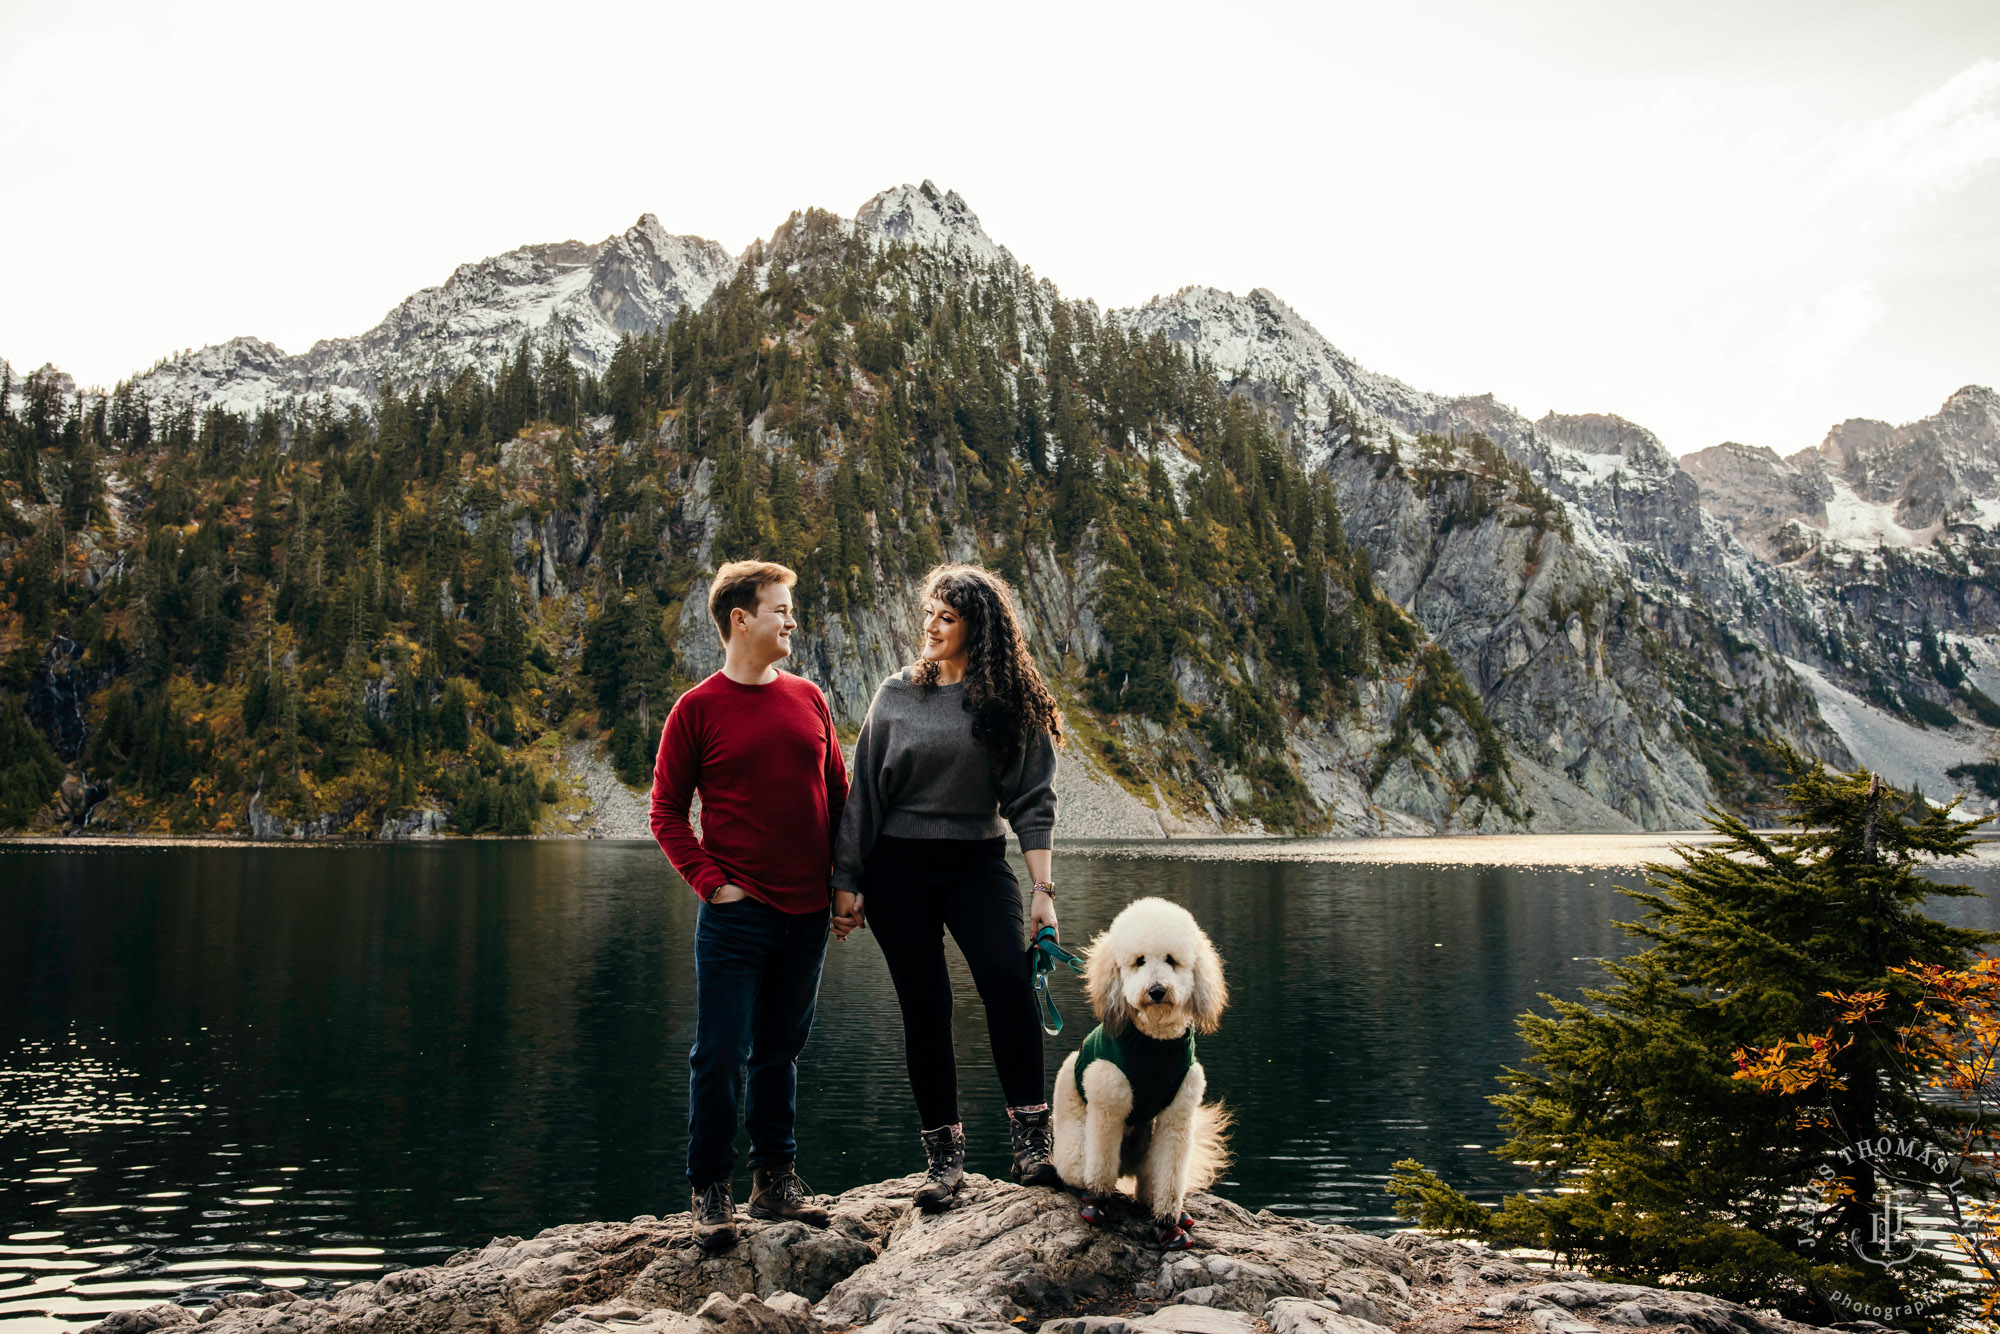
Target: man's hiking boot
column 714, row 1218
column 777, row 1192
column 945, row 1147
column 1034, row 1139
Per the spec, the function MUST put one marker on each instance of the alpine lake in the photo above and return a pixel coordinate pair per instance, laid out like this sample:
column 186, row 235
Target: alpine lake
column 224, row 1068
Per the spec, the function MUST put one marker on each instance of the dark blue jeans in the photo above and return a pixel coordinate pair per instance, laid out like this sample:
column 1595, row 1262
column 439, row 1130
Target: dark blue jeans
column 756, row 982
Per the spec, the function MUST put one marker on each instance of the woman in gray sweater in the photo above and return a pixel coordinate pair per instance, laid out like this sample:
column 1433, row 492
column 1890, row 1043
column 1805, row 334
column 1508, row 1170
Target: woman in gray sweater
column 953, row 745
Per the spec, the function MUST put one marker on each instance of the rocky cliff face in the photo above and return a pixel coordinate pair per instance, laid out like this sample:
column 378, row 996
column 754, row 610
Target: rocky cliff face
column 1741, row 568
column 1583, row 608
column 1768, row 502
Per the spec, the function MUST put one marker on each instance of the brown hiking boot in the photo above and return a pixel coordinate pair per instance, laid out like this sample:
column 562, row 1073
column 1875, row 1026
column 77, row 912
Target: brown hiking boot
column 714, row 1217
column 777, row 1192
column 945, row 1148
column 1033, row 1138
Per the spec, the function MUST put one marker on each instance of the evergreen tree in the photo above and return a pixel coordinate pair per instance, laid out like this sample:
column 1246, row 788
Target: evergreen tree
column 1671, row 1166
column 503, row 657
column 29, row 769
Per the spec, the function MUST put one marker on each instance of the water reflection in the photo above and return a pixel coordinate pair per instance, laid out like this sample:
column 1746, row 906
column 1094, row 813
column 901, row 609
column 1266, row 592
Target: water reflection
column 297, row 1067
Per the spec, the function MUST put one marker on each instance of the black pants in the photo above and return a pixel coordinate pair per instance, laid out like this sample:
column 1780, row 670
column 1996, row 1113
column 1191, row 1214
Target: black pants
column 915, row 888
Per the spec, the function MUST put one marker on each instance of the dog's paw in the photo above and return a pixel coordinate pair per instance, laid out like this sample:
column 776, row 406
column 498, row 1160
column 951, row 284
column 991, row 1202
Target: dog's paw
column 1094, row 1211
column 1173, row 1235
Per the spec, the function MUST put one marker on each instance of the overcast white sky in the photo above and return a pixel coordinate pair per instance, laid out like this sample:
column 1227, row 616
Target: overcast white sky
column 1722, row 220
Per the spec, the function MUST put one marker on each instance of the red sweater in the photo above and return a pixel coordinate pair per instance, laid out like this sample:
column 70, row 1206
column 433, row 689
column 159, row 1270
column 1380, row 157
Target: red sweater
column 768, row 766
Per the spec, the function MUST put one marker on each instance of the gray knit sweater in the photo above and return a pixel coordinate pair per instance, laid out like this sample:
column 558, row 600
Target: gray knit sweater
column 918, row 774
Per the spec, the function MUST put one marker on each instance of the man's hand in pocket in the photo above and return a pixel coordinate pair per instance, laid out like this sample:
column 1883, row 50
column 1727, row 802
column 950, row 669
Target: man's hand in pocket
column 728, row 894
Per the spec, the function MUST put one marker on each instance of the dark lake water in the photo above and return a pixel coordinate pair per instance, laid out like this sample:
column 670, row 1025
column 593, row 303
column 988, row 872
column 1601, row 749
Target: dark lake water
column 229, row 1067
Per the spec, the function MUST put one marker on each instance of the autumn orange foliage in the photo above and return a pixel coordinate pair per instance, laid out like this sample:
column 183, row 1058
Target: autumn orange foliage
column 1955, row 1034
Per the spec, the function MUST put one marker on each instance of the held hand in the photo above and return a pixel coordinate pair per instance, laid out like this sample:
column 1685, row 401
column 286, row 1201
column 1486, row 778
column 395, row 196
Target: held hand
column 848, row 913
column 728, row 894
column 1041, row 913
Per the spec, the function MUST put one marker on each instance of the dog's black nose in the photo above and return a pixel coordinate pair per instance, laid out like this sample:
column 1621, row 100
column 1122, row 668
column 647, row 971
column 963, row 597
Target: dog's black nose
column 1157, row 994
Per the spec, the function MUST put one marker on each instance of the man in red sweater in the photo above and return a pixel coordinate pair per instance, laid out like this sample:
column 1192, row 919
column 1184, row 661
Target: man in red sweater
column 759, row 746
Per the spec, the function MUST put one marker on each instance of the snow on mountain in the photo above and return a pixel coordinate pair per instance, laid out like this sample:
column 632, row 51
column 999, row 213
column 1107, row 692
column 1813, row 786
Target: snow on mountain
column 1604, row 447
column 1261, row 337
column 921, row 215
column 240, row 375
column 1869, row 484
column 582, row 294
column 1931, row 470
column 18, row 378
column 1905, row 754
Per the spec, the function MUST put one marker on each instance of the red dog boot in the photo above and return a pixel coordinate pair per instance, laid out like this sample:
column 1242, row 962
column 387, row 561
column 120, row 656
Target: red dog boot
column 1173, row 1237
column 1094, row 1211
column 1186, row 1221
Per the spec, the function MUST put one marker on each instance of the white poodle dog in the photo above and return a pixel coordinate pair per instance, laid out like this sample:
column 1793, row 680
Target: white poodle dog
column 1129, row 1103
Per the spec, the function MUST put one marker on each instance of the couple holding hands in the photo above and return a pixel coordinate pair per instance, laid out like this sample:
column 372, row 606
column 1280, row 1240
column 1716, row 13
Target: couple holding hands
column 953, row 746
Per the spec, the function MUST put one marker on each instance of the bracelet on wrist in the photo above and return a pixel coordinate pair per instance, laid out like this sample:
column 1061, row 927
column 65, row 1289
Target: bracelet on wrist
column 1043, row 887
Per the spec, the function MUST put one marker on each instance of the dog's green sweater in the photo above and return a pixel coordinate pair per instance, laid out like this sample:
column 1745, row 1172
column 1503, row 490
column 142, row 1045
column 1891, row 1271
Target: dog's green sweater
column 1154, row 1067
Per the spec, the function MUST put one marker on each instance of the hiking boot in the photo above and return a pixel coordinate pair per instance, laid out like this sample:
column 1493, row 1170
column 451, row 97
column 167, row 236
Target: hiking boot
column 1034, row 1140
column 777, row 1192
column 714, row 1217
column 945, row 1147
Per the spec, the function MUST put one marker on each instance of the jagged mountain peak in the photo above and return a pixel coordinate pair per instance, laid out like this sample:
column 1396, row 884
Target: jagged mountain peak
column 1261, row 337
column 585, row 295
column 1968, row 420
column 1932, row 471
column 923, row 215
column 1868, row 484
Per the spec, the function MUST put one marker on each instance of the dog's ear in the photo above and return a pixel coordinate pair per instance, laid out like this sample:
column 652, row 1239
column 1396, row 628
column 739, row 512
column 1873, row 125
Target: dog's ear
column 1211, row 992
column 1103, row 980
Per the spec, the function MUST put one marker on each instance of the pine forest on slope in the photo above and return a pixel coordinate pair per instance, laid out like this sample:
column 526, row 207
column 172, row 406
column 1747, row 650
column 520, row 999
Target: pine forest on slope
column 380, row 587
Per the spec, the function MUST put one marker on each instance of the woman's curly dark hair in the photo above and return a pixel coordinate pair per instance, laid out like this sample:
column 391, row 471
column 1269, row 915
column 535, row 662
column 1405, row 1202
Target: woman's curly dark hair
column 1004, row 690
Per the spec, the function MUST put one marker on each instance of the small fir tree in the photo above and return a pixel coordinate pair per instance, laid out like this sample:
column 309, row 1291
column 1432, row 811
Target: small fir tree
column 1663, row 1165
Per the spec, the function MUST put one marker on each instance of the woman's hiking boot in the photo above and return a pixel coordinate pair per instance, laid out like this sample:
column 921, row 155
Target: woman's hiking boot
column 945, row 1148
column 1034, row 1141
column 714, row 1217
column 777, row 1192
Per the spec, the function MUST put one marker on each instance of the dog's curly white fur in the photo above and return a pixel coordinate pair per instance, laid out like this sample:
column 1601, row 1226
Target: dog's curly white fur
column 1152, row 970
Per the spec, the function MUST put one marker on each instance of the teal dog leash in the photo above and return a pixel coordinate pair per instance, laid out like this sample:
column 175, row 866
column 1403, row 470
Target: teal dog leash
column 1043, row 956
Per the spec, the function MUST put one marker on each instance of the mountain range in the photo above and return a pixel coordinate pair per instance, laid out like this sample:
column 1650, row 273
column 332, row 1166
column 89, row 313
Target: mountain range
column 1633, row 629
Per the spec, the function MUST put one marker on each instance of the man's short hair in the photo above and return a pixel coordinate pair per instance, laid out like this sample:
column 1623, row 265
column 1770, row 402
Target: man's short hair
column 739, row 583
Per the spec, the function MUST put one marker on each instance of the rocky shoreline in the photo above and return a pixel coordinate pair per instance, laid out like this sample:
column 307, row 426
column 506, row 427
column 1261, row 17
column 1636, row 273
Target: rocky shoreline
column 1004, row 1258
